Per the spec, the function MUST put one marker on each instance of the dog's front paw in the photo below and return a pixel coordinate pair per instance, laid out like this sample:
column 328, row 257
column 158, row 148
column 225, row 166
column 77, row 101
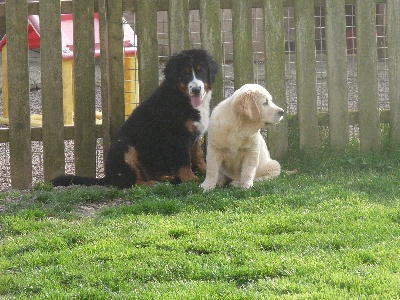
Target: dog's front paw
column 186, row 174
column 206, row 186
column 245, row 185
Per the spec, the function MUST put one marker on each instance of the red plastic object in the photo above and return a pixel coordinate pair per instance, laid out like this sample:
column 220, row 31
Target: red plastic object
column 67, row 36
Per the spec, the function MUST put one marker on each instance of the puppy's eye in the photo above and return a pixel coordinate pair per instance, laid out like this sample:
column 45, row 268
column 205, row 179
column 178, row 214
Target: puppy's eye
column 198, row 67
column 266, row 102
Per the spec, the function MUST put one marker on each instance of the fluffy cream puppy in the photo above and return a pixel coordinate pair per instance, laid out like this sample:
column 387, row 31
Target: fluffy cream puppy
column 236, row 150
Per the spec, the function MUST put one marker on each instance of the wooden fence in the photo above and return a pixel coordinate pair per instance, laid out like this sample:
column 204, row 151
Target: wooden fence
column 85, row 132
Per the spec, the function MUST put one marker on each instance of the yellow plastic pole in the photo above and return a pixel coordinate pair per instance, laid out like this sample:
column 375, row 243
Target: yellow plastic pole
column 131, row 83
column 68, row 90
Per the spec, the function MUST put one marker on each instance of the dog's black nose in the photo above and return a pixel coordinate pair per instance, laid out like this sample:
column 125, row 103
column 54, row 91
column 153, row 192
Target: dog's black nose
column 196, row 90
column 281, row 112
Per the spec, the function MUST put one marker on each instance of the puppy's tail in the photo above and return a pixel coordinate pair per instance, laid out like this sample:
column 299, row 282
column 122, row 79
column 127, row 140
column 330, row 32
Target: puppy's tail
column 67, row 180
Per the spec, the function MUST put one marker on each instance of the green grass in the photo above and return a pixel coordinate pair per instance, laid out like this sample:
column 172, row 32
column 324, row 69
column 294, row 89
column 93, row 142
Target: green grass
column 332, row 231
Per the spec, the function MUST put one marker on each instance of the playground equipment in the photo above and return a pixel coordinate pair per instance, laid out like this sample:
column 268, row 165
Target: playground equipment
column 130, row 65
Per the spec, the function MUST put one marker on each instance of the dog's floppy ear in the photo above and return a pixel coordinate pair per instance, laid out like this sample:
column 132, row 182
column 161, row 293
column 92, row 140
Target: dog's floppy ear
column 246, row 105
column 171, row 74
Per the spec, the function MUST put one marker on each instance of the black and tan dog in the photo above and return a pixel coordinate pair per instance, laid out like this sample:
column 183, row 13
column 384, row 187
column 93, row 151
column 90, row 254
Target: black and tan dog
column 161, row 138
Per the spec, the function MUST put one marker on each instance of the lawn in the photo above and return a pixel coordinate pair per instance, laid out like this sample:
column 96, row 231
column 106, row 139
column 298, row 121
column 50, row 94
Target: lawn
column 330, row 231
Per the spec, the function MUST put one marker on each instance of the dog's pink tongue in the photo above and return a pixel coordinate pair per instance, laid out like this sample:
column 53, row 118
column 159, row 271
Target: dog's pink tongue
column 195, row 100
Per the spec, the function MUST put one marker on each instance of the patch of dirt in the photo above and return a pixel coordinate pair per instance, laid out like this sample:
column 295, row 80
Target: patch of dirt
column 87, row 210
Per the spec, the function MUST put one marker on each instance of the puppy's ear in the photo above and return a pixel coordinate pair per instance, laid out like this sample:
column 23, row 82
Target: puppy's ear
column 246, row 105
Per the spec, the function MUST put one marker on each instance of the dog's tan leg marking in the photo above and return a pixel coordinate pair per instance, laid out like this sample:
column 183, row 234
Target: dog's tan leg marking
column 131, row 158
column 147, row 183
column 186, row 174
column 167, row 178
column 190, row 125
column 197, row 156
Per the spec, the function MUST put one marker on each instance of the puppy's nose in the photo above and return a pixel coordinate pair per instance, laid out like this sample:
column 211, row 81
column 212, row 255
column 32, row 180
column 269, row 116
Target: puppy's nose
column 196, row 90
column 281, row 112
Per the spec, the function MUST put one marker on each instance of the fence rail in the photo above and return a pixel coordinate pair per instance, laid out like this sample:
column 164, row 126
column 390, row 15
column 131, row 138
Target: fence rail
column 368, row 117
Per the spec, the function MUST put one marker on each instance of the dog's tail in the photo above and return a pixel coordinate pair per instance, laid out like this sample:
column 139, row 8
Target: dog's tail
column 67, row 180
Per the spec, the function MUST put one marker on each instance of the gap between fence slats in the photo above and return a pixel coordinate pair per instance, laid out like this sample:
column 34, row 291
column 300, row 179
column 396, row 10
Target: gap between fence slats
column 84, row 90
column 393, row 23
column 104, row 70
column 275, row 75
column 367, row 74
column 337, row 74
column 306, row 75
column 18, row 95
column 52, row 89
column 242, row 43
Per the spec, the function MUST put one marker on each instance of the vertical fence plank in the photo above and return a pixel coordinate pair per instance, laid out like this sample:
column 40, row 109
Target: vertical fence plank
column 84, row 88
column 103, row 31
column 306, row 75
column 18, row 94
column 211, row 40
column 243, row 66
column 178, row 22
column 52, row 89
column 367, row 73
column 275, row 76
column 337, row 74
column 393, row 21
column 146, row 29
column 115, row 53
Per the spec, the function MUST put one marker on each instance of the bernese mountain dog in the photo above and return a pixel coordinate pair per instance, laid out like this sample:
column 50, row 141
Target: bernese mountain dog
column 161, row 139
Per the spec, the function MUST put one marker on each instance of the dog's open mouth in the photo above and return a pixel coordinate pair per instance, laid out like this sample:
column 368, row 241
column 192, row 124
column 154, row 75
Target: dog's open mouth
column 195, row 100
column 196, row 94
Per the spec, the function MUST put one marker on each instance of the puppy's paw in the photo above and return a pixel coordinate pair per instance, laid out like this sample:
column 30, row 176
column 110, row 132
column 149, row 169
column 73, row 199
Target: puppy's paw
column 245, row 185
column 186, row 174
column 206, row 187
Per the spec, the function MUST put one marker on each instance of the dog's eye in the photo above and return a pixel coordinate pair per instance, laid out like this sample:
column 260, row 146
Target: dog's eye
column 266, row 102
column 198, row 67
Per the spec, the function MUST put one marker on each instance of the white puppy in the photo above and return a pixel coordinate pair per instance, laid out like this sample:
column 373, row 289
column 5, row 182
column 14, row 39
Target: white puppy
column 236, row 150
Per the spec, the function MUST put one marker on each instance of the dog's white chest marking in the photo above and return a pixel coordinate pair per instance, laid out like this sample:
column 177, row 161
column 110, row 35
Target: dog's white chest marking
column 204, row 109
